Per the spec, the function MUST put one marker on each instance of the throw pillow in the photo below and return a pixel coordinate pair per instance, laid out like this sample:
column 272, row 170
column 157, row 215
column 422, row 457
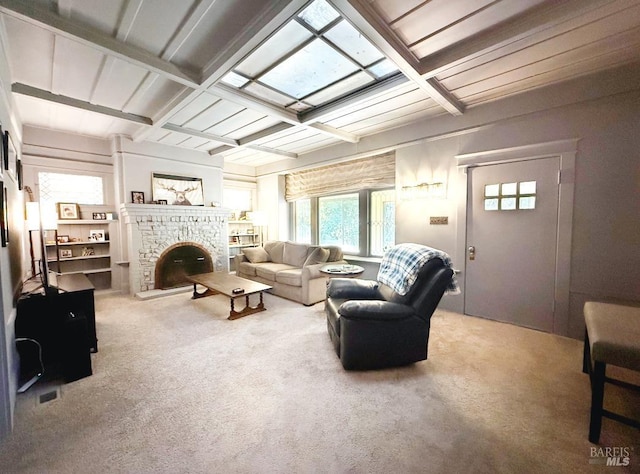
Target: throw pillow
column 318, row 255
column 275, row 249
column 256, row 254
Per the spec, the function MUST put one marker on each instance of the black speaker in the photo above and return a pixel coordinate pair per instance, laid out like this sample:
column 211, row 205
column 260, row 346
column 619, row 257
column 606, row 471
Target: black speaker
column 75, row 352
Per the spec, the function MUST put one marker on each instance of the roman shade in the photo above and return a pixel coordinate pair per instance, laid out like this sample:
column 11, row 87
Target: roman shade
column 365, row 173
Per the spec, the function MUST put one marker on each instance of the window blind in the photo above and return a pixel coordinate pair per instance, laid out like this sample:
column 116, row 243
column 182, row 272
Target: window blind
column 365, row 173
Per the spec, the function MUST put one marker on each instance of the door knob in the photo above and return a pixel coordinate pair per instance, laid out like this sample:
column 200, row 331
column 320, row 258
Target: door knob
column 472, row 253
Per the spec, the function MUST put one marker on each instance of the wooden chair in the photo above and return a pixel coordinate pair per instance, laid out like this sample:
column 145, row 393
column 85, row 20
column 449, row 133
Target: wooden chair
column 612, row 337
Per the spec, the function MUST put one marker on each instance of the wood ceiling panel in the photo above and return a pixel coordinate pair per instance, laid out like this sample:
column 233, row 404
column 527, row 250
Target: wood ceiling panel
column 254, row 127
column 128, row 77
column 468, row 27
column 201, row 103
column 481, row 93
column 375, row 109
column 30, row 52
column 284, row 139
column 156, row 22
column 391, row 10
column 579, row 42
column 401, row 114
column 411, row 114
column 221, row 110
column 98, row 14
column 235, row 122
column 434, row 16
column 148, row 101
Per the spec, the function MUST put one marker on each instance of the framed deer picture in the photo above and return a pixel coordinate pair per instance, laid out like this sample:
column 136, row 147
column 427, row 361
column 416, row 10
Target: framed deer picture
column 177, row 190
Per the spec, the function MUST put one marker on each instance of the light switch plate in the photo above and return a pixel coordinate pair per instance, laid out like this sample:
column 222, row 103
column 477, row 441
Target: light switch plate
column 438, row 220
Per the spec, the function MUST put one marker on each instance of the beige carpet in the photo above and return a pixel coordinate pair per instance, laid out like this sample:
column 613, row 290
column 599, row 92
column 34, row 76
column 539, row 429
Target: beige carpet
column 179, row 388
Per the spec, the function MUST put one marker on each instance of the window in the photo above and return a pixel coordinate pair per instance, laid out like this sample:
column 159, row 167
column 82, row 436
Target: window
column 510, row 196
column 361, row 223
column 383, row 221
column 338, row 218
column 303, row 221
column 315, row 58
column 61, row 187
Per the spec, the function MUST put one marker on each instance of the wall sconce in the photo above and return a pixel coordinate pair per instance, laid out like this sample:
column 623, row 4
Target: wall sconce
column 423, row 191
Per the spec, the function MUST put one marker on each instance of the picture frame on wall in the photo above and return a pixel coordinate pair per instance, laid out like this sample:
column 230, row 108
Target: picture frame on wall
column 137, row 197
column 177, row 190
column 4, row 219
column 68, row 210
column 12, row 156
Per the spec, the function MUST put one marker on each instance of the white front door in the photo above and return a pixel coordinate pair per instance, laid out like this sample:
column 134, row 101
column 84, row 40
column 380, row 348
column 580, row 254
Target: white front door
column 512, row 232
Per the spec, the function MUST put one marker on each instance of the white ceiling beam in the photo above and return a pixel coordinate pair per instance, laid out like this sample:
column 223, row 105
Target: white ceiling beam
column 264, row 133
column 34, row 92
column 34, row 14
column 196, row 133
column 534, row 20
column 367, row 20
column 272, row 151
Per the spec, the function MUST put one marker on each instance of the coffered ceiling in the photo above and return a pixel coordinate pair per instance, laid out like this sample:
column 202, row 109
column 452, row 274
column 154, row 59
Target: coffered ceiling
column 210, row 75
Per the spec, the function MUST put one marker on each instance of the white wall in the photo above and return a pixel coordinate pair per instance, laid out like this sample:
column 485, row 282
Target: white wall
column 11, row 269
column 601, row 110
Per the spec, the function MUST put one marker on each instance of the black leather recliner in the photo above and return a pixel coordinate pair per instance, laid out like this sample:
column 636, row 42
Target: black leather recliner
column 373, row 327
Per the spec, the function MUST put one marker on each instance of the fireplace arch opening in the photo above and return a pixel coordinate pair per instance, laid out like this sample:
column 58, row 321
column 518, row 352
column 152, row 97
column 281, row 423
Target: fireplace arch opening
column 179, row 261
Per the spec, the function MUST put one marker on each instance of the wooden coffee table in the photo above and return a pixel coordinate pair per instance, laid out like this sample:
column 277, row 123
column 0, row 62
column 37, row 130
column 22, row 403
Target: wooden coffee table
column 223, row 284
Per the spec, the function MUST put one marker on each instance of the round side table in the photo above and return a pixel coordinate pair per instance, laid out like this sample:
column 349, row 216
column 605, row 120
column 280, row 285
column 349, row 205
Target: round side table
column 342, row 271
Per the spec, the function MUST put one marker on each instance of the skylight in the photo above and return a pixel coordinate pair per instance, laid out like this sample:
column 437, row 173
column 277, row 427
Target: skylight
column 315, row 58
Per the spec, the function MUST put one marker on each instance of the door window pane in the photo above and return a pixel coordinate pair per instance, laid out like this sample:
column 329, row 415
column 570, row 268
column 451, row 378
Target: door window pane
column 491, row 190
column 528, row 202
column 508, row 204
column 338, row 221
column 491, row 204
column 528, row 187
column 509, row 189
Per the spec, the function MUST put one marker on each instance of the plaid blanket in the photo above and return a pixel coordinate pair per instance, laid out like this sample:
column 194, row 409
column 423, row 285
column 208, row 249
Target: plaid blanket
column 400, row 266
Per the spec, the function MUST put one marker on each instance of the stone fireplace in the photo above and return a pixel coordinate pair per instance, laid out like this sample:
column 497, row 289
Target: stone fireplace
column 179, row 261
column 163, row 233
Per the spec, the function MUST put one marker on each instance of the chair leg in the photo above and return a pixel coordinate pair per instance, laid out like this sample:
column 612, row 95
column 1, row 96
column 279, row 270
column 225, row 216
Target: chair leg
column 586, row 355
column 597, row 397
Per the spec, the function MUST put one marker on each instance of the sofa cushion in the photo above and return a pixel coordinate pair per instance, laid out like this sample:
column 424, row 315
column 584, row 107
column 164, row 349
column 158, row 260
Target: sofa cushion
column 317, row 255
column 275, row 250
column 291, row 277
column 335, row 253
column 268, row 270
column 247, row 268
column 256, row 254
column 295, row 254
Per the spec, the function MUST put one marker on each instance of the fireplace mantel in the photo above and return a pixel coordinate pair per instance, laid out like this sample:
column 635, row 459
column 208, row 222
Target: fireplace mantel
column 152, row 228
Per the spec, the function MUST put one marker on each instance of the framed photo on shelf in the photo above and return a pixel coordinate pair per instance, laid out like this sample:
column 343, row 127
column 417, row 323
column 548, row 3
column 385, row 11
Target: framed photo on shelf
column 88, row 251
column 177, row 190
column 63, row 239
column 66, row 253
column 96, row 235
column 68, row 210
column 162, row 202
column 99, row 216
column 137, row 197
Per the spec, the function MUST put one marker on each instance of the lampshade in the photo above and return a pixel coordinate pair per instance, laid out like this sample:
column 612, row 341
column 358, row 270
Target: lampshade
column 49, row 217
column 258, row 218
column 33, row 215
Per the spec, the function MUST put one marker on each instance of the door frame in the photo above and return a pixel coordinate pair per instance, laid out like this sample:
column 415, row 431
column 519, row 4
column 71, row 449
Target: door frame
column 566, row 150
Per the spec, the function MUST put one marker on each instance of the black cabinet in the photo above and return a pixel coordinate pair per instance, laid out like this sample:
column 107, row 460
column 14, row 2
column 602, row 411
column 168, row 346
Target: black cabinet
column 63, row 323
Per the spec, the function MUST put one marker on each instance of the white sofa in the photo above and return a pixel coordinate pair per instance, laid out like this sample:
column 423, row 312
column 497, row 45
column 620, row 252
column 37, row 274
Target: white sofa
column 292, row 269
